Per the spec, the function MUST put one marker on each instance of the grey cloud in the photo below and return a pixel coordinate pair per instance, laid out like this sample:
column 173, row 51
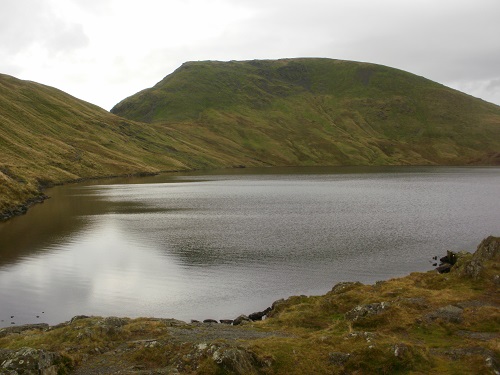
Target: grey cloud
column 19, row 21
column 494, row 84
column 93, row 6
column 446, row 41
column 442, row 40
column 491, row 91
column 66, row 37
column 24, row 23
column 488, row 90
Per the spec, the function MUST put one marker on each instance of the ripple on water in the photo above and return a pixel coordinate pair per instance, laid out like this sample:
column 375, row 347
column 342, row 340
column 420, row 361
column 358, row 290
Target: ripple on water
column 229, row 244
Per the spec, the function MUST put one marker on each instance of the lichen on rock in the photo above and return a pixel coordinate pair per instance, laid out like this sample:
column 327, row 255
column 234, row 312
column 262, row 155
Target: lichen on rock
column 28, row 361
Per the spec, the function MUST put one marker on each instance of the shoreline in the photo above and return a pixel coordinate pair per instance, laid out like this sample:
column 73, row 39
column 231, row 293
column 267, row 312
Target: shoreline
column 444, row 265
column 22, row 209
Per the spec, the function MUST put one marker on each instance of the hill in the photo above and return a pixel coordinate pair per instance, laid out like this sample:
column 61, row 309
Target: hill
column 49, row 137
column 425, row 323
column 322, row 112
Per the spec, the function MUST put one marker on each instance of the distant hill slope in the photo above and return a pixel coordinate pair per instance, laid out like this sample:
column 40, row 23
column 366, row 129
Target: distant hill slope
column 321, row 111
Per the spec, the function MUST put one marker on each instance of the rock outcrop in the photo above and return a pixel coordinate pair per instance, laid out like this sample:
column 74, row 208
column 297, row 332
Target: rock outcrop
column 242, row 319
column 233, row 359
column 488, row 249
column 28, row 361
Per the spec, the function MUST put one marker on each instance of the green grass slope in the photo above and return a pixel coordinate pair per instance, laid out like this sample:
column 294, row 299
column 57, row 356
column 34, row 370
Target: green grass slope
column 48, row 137
column 322, row 112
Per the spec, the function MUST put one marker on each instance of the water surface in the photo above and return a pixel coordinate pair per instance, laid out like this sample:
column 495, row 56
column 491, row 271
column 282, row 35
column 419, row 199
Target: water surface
column 218, row 244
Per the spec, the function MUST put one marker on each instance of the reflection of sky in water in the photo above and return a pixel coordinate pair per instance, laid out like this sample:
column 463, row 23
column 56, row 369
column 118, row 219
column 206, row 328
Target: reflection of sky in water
column 99, row 268
column 233, row 244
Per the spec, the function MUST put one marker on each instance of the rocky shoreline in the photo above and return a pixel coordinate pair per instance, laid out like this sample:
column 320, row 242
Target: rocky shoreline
column 431, row 323
column 22, row 209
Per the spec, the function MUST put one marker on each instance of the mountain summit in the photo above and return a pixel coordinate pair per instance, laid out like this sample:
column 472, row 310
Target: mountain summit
column 323, row 111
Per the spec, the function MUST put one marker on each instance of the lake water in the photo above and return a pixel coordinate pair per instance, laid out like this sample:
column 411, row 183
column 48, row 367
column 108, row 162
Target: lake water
column 219, row 244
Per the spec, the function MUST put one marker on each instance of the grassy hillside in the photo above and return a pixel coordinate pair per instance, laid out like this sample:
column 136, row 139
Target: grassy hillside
column 321, row 111
column 49, row 137
column 425, row 323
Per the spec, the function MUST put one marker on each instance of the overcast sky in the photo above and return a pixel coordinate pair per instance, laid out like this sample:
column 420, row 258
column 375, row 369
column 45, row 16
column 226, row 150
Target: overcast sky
column 105, row 50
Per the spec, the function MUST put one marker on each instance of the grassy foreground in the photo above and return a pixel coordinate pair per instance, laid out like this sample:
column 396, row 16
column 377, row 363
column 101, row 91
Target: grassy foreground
column 424, row 323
